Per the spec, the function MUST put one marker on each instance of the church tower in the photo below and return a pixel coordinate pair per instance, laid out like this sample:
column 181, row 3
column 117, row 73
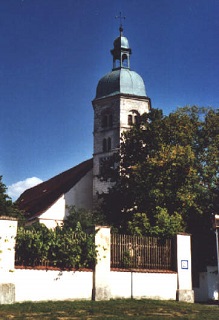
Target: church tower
column 120, row 99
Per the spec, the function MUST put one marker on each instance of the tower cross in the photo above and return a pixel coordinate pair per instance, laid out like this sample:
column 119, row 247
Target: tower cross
column 120, row 17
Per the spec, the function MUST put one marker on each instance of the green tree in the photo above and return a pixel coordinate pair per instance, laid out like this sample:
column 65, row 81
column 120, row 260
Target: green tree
column 7, row 207
column 167, row 162
column 86, row 218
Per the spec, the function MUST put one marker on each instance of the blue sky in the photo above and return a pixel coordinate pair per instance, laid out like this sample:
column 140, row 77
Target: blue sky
column 53, row 52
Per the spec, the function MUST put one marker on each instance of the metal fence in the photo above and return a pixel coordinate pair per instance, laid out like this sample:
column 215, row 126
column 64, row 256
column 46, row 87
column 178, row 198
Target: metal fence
column 141, row 252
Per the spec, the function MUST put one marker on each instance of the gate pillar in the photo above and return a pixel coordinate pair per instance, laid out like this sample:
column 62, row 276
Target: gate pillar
column 101, row 278
column 8, row 232
column 184, row 268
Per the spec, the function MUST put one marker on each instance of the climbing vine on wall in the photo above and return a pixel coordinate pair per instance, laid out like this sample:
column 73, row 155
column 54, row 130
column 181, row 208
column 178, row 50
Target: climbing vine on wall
column 61, row 247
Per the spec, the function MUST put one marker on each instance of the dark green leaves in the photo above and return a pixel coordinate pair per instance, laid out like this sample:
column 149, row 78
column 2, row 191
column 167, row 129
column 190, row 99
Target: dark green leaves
column 167, row 162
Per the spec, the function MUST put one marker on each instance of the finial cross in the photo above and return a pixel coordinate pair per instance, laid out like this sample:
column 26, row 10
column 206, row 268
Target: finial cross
column 120, row 17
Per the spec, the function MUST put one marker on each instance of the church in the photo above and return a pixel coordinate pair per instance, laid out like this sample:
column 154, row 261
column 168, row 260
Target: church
column 120, row 100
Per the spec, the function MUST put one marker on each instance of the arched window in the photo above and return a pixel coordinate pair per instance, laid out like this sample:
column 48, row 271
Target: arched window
column 107, row 120
column 105, row 163
column 109, row 144
column 117, row 64
column 130, row 120
column 104, row 145
column 133, row 117
column 110, row 120
column 125, row 61
column 136, row 117
column 104, row 121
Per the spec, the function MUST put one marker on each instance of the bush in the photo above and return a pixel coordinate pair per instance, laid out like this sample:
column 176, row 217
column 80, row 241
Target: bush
column 65, row 248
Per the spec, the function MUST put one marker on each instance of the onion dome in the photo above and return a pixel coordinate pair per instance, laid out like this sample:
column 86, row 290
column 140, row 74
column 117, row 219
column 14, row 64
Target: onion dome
column 121, row 80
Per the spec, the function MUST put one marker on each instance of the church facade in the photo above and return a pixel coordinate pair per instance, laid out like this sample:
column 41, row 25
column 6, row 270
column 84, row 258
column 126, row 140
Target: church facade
column 120, row 100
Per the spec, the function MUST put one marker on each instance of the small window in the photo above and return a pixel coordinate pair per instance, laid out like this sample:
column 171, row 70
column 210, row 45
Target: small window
column 107, row 121
column 104, row 145
column 105, row 163
column 109, row 144
column 136, row 119
column 133, row 117
column 104, row 121
column 117, row 64
column 110, row 120
column 125, row 61
column 130, row 120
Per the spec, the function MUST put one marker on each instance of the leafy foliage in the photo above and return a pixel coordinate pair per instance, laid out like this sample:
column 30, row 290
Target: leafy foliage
column 165, row 226
column 7, row 207
column 169, row 167
column 63, row 247
column 87, row 218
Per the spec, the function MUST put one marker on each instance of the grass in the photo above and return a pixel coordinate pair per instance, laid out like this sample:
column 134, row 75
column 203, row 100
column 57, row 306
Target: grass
column 113, row 309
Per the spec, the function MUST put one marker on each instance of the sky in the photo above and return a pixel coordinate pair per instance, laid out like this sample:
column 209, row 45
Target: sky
column 54, row 52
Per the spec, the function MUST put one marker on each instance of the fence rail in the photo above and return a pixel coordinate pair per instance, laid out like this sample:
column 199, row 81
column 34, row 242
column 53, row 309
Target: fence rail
column 141, row 252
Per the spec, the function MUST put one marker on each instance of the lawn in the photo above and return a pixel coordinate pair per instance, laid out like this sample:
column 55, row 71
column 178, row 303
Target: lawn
column 114, row 309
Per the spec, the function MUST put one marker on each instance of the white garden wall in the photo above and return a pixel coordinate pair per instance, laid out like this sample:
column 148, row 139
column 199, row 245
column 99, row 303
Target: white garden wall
column 17, row 285
column 138, row 285
column 208, row 285
column 41, row 285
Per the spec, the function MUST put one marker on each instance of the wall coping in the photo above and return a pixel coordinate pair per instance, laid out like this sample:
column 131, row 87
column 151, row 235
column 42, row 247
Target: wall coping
column 8, row 218
column 48, row 268
column 143, row 270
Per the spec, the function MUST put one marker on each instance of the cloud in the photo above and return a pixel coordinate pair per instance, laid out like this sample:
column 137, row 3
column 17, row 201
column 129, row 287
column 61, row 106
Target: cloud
column 17, row 188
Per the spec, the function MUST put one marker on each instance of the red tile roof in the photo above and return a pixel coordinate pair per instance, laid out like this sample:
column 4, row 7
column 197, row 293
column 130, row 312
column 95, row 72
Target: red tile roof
column 38, row 199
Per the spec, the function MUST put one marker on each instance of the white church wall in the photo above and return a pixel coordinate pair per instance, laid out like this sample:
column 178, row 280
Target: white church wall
column 81, row 195
column 54, row 215
column 129, row 104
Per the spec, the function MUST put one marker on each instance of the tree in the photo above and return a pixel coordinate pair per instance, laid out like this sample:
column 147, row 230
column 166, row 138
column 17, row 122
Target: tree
column 86, row 218
column 7, row 208
column 167, row 163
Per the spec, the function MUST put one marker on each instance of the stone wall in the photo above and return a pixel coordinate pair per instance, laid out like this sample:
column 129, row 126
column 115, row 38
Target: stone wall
column 17, row 285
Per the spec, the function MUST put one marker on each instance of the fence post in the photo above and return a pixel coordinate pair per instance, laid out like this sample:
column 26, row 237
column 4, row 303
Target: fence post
column 101, row 279
column 184, row 268
column 8, row 232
